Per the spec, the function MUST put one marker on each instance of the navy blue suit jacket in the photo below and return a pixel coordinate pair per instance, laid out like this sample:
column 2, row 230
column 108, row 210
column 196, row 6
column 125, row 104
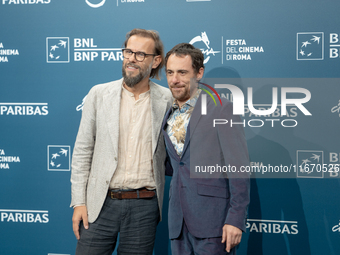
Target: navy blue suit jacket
column 206, row 204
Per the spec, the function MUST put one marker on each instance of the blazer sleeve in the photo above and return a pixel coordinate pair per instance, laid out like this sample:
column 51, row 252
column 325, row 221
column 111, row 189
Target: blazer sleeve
column 83, row 150
column 234, row 148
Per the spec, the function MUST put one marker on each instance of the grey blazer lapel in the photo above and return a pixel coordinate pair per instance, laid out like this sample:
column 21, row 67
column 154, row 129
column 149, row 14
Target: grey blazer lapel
column 158, row 109
column 111, row 104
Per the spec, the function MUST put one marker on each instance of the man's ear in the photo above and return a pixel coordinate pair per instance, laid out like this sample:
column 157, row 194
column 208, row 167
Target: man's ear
column 200, row 73
column 156, row 61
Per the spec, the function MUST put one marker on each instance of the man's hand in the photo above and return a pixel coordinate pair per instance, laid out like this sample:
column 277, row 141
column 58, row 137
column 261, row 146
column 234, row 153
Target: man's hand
column 79, row 213
column 232, row 235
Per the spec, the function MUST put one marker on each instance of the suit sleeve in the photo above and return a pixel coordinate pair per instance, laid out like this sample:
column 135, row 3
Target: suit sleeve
column 234, row 148
column 83, row 151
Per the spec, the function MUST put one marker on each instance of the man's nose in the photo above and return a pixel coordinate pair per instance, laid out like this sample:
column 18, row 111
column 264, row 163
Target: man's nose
column 132, row 58
column 174, row 78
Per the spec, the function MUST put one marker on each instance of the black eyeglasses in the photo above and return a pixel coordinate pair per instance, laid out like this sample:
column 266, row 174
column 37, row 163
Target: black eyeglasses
column 140, row 56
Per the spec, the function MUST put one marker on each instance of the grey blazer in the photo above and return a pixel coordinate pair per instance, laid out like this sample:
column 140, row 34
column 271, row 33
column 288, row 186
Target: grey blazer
column 95, row 152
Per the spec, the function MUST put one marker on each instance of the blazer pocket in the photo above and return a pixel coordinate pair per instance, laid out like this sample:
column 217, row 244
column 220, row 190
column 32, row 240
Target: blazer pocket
column 212, row 191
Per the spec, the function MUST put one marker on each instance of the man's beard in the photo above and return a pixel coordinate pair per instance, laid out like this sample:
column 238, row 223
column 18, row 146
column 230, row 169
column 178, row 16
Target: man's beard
column 189, row 90
column 130, row 80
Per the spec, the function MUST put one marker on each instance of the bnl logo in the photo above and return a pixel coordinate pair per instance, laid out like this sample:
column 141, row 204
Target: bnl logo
column 238, row 99
column 58, row 157
column 310, row 46
column 309, row 164
column 57, row 50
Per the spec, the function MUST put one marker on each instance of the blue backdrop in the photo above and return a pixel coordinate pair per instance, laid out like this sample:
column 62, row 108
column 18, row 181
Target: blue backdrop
column 53, row 51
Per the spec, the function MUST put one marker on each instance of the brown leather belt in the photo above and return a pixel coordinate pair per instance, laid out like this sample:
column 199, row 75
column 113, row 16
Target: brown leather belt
column 131, row 194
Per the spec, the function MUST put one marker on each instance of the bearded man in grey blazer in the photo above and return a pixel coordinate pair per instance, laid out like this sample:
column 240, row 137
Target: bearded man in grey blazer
column 118, row 159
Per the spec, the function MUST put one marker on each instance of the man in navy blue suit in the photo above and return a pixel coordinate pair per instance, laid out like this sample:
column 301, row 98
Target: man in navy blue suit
column 208, row 203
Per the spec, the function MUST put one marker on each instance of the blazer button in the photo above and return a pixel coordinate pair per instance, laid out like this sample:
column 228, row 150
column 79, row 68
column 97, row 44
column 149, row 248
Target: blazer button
column 181, row 164
column 115, row 158
column 107, row 182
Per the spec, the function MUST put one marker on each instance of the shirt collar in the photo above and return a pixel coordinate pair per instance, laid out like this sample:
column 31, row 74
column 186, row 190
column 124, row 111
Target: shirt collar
column 130, row 94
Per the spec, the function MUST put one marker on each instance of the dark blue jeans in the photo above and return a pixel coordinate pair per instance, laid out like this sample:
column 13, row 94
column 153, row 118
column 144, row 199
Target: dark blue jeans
column 134, row 219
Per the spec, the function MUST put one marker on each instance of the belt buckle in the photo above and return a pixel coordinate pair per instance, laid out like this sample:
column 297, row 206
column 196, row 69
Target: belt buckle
column 116, row 195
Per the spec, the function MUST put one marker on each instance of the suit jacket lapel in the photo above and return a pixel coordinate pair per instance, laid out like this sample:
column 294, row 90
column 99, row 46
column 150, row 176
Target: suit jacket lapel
column 194, row 119
column 158, row 109
column 170, row 147
column 111, row 103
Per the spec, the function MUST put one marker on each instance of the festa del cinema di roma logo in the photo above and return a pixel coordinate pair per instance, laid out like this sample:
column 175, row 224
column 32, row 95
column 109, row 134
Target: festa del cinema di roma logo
column 239, row 106
column 336, row 228
column 6, row 53
column 204, row 38
column 336, row 109
column 235, row 49
column 101, row 3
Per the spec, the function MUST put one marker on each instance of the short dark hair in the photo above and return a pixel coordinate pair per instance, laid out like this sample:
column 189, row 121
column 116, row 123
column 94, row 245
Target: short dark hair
column 184, row 49
column 159, row 48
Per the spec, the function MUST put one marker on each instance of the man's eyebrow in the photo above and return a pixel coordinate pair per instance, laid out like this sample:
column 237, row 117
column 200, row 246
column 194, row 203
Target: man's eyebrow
column 138, row 51
column 177, row 70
